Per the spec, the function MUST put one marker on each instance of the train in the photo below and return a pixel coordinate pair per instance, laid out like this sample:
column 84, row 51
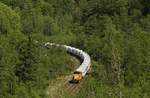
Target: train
column 85, row 66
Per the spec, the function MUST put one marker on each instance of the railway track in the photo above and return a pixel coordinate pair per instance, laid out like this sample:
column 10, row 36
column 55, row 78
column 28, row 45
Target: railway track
column 73, row 88
column 63, row 87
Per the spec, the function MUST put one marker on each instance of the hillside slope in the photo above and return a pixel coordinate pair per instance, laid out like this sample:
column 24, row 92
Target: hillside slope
column 115, row 33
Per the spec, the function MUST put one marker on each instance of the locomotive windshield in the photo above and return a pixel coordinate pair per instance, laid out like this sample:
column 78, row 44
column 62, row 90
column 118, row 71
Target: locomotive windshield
column 77, row 72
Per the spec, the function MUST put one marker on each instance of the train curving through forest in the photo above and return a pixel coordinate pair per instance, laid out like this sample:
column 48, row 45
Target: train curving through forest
column 85, row 66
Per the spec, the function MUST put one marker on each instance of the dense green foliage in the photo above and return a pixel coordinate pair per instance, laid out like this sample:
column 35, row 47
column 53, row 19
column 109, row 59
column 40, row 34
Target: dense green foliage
column 116, row 34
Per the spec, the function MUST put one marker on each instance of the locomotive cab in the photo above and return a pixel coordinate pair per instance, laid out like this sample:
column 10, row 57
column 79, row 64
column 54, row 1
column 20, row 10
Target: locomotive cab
column 77, row 76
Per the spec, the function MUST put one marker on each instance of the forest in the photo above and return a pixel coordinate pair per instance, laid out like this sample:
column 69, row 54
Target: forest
column 115, row 33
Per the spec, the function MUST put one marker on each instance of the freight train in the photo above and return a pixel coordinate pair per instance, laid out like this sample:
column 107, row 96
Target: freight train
column 82, row 70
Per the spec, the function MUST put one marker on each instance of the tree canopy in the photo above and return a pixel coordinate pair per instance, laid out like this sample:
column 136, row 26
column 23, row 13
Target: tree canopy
column 116, row 34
